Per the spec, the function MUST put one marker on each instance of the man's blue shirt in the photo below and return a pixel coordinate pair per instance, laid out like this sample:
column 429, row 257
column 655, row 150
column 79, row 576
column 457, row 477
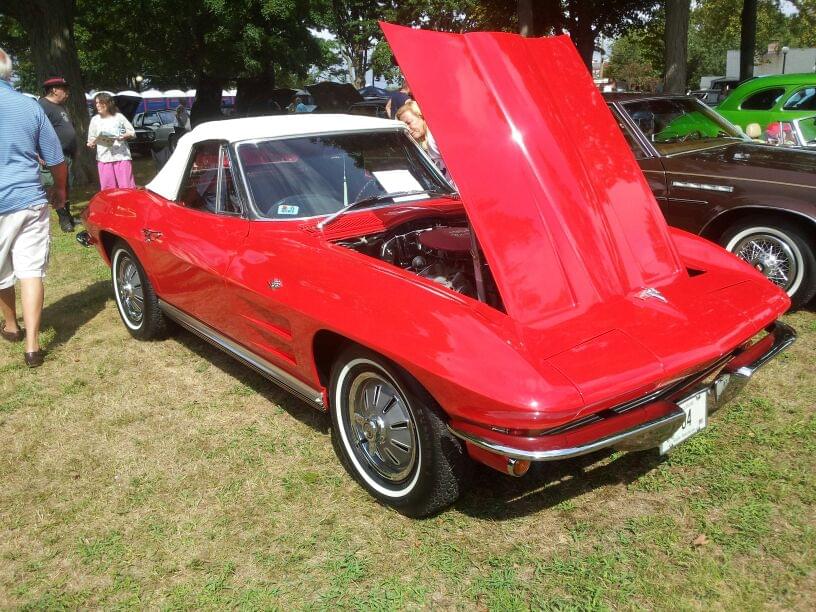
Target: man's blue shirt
column 25, row 132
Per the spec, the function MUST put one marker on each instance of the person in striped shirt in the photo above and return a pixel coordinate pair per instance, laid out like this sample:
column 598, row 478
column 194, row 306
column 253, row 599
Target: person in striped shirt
column 26, row 136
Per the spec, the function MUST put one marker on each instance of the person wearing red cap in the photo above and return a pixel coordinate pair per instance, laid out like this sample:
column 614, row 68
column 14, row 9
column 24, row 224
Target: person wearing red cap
column 53, row 102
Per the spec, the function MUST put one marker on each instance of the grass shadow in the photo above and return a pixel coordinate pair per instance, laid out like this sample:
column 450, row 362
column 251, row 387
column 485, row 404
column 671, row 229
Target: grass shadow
column 297, row 408
column 71, row 312
column 497, row 497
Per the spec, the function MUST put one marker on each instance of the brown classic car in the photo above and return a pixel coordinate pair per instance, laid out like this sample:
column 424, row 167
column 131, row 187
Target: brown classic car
column 757, row 201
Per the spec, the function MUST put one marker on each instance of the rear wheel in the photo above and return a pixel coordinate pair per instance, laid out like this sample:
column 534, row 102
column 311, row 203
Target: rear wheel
column 390, row 436
column 135, row 299
column 778, row 249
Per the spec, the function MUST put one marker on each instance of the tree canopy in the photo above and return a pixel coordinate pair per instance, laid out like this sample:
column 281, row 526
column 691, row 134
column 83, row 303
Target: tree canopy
column 714, row 28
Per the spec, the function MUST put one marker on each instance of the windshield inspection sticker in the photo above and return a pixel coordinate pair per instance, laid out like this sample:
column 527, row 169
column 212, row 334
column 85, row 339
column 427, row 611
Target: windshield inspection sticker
column 286, row 209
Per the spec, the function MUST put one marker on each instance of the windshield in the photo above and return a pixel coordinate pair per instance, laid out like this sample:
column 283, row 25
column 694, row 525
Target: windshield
column 807, row 130
column 676, row 125
column 320, row 175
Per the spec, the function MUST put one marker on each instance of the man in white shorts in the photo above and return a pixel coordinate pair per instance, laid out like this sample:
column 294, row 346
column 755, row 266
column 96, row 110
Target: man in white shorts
column 27, row 136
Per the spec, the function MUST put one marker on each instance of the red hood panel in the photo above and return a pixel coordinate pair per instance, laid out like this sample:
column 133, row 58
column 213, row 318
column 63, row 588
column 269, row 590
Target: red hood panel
column 561, row 209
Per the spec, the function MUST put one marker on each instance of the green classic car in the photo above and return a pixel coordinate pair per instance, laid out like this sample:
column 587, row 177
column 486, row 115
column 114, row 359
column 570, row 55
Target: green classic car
column 768, row 99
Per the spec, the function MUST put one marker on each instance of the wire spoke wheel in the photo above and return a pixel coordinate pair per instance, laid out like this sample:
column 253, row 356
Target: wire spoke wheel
column 771, row 256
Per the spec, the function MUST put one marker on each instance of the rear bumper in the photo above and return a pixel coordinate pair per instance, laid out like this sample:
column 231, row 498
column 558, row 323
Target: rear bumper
column 639, row 424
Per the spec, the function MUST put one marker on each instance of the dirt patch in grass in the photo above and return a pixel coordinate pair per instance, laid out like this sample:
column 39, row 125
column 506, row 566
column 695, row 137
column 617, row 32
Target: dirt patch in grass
column 166, row 475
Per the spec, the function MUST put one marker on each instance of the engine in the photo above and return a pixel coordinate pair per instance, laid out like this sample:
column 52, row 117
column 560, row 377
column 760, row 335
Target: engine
column 438, row 250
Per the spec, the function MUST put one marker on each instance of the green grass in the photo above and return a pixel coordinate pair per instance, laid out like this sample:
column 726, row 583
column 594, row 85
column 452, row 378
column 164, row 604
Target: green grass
column 165, row 475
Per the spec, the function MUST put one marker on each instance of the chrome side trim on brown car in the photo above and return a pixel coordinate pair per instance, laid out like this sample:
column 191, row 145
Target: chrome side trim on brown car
column 259, row 364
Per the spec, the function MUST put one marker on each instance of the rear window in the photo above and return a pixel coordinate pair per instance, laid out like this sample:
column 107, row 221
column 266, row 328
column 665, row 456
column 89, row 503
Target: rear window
column 763, row 100
column 804, row 99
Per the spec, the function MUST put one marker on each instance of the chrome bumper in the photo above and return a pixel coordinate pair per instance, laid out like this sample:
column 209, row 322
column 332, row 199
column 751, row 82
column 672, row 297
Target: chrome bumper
column 733, row 376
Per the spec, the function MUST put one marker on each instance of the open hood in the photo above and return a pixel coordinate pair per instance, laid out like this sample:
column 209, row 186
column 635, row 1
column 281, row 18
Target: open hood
column 558, row 202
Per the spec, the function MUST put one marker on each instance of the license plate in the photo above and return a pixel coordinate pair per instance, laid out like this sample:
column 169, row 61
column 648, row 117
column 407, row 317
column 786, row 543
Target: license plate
column 695, row 408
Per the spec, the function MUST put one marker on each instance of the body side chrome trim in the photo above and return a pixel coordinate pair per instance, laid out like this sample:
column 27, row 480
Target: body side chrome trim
column 257, row 363
column 739, row 178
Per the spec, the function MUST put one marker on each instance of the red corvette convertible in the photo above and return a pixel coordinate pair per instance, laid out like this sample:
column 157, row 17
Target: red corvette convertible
column 542, row 312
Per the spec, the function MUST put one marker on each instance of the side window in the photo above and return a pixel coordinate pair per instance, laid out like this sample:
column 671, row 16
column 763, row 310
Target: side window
column 230, row 202
column 200, row 188
column 762, row 100
column 137, row 120
column 804, row 99
column 206, row 188
column 637, row 150
column 150, row 118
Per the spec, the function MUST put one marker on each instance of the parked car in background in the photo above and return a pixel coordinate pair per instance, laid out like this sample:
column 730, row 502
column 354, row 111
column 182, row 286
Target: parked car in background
column 765, row 99
column 545, row 311
column 162, row 124
column 373, row 107
column 759, row 202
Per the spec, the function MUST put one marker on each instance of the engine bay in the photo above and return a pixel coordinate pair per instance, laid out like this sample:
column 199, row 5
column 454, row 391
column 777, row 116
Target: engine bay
column 442, row 250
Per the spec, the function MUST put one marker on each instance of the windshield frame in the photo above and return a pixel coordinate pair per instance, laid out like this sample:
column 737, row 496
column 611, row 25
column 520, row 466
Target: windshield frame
column 250, row 200
column 701, row 107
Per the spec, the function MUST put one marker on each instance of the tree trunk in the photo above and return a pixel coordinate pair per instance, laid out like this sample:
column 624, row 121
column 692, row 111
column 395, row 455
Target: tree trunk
column 748, row 25
column 252, row 97
column 49, row 24
column 207, row 103
column 525, row 17
column 584, row 36
column 676, row 51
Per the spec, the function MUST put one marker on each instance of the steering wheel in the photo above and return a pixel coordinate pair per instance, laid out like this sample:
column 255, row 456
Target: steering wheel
column 696, row 134
column 308, row 205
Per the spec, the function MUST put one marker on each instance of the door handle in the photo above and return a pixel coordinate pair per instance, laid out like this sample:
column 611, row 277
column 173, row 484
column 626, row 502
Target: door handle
column 151, row 235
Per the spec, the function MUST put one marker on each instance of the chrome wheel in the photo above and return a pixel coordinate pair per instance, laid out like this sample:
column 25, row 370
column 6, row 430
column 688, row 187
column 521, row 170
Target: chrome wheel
column 772, row 253
column 381, row 427
column 129, row 290
column 391, row 436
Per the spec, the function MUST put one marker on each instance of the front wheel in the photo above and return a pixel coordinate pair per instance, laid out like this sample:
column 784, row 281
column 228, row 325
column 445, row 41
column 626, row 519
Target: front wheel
column 136, row 301
column 390, row 436
column 780, row 251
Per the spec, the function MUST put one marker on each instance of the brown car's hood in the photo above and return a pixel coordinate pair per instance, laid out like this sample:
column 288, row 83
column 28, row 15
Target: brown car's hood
column 560, row 207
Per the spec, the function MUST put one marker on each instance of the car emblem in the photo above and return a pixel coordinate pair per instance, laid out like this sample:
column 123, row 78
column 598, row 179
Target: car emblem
column 651, row 292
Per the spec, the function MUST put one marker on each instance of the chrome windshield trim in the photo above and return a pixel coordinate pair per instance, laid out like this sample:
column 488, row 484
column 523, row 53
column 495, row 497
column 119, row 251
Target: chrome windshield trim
column 645, row 435
column 257, row 363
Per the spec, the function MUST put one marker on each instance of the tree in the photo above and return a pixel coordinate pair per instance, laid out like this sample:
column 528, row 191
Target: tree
column 748, row 27
column 803, row 24
column 635, row 60
column 355, row 24
column 382, row 63
column 676, row 48
column 49, row 26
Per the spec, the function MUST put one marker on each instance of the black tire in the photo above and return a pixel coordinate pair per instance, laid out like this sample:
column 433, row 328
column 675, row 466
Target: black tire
column 136, row 301
column 422, row 480
column 760, row 240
